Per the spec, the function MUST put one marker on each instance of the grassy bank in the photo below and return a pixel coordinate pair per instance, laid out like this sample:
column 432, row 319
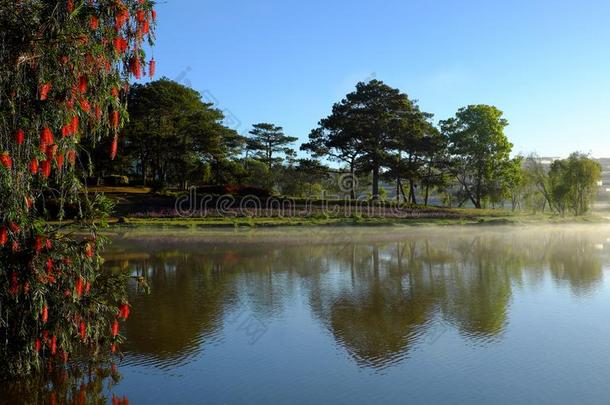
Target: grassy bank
column 139, row 207
column 497, row 218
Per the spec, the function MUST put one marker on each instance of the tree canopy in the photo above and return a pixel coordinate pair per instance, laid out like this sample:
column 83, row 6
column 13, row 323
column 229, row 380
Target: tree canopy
column 480, row 150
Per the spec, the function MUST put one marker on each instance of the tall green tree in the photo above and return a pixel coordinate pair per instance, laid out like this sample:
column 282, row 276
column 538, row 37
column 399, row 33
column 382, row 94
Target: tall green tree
column 361, row 128
column 172, row 132
column 270, row 144
column 574, row 183
column 480, row 150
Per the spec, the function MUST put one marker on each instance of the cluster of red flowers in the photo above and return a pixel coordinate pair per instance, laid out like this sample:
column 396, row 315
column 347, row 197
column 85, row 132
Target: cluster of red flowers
column 58, row 93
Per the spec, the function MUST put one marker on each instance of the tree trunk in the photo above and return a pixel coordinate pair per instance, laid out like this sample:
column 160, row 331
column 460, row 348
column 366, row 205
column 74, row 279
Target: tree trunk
column 398, row 190
column 412, row 192
column 352, row 171
column 402, row 191
column 143, row 172
column 376, row 182
column 427, row 195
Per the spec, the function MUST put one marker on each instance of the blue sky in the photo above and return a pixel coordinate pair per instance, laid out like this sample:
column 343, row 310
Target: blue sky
column 545, row 63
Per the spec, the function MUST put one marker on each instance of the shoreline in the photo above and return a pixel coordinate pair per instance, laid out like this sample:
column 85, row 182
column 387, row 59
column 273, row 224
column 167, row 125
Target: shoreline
column 295, row 222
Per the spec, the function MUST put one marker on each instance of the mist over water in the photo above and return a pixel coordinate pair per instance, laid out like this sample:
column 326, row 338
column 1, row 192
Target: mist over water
column 474, row 314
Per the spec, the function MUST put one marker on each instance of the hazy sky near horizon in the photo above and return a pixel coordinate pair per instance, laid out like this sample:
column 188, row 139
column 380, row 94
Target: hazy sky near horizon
column 545, row 63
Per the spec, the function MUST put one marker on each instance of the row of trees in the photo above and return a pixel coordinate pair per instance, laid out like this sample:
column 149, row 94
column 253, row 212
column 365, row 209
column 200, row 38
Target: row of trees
column 564, row 186
column 376, row 134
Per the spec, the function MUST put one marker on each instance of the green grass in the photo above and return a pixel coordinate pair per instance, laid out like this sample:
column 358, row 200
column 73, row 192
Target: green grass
column 455, row 217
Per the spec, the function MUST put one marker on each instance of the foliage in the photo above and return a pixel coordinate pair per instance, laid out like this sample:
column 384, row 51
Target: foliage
column 480, row 151
column 565, row 185
column 267, row 141
column 574, row 183
column 172, row 133
column 63, row 68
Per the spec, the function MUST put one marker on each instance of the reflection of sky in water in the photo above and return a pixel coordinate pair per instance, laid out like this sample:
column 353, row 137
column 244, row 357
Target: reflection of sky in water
column 467, row 315
column 429, row 315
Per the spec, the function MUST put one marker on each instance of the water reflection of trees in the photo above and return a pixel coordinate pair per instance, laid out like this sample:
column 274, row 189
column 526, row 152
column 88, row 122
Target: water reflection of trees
column 77, row 384
column 376, row 299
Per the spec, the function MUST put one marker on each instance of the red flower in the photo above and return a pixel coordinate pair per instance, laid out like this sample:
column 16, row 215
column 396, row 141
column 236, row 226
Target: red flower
column 34, row 166
column 120, row 45
column 75, row 124
column 87, row 287
column 53, row 345
column 59, row 160
column 44, row 91
column 135, row 67
column 70, row 6
column 83, row 330
column 140, row 16
column 121, row 18
column 114, row 119
column 152, row 68
column 115, row 92
column 6, row 161
column 79, row 287
column 49, row 266
column 82, row 84
column 85, row 106
column 19, row 137
column 64, row 355
column 37, row 345
column 16, row 248
column 66, row 130
column 46, row 137
column 115, row 328
column 3, row 236
column 146, row 27
column 154, row 15
column 14, row 227
column 45, row 169
column 26, row 287
column 94, row 23
column 124, row 311
column 45, row 314
column 28, row 202
column 114, row 148
column 89, row 249
column 38, row 245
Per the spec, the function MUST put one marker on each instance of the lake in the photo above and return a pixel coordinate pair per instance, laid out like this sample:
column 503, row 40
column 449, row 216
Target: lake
column 364, row 315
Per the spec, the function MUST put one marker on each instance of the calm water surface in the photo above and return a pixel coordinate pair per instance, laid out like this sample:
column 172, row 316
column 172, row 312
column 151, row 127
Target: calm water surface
column 351, row 315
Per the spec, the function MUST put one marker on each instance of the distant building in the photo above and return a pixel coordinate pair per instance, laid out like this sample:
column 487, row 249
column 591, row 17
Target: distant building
column 546, row 161
column 605, row 183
